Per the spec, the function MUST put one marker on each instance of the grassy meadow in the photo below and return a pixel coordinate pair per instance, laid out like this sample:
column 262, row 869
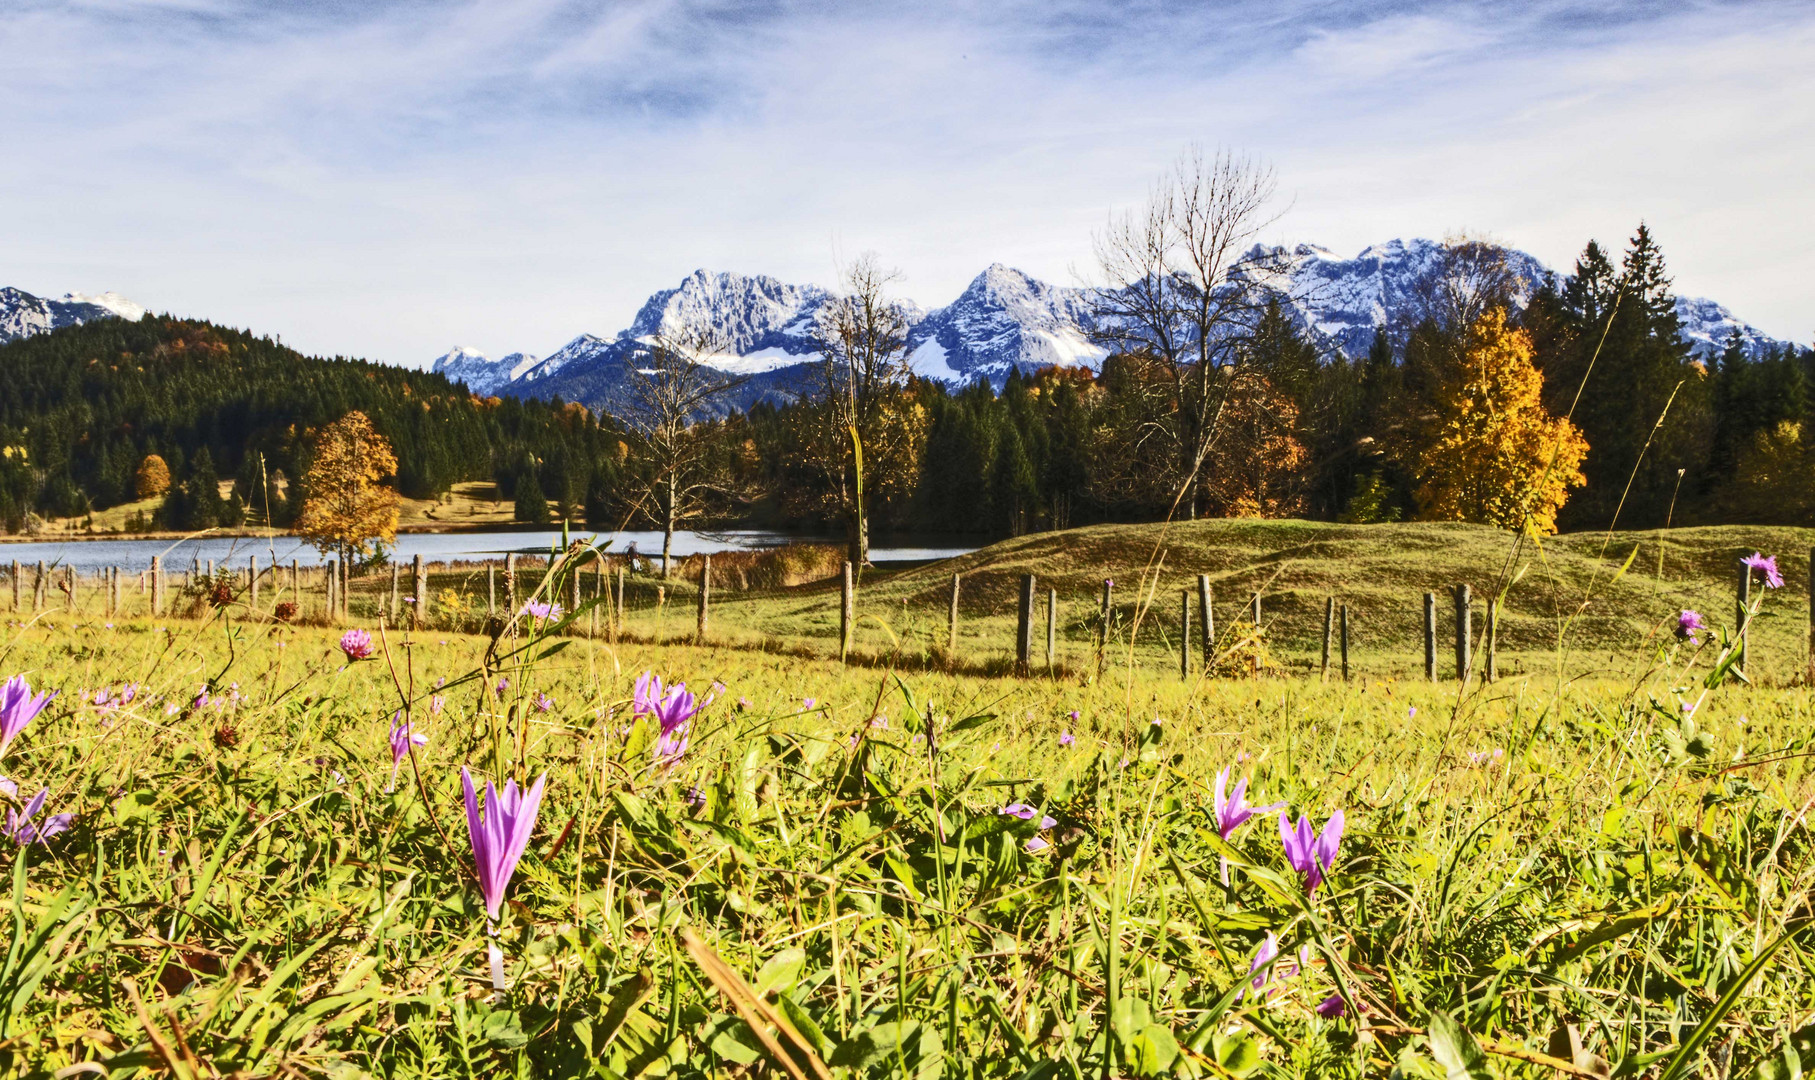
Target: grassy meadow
column 1590, row 873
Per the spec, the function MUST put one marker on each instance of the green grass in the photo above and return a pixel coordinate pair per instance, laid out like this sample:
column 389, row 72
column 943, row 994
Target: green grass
column 240, row 895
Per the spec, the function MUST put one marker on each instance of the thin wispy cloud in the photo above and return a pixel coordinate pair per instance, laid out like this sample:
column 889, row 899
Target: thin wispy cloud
column 387, row 179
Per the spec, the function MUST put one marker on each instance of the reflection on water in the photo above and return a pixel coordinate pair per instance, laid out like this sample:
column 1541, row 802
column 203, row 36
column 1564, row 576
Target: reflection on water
column 135, row 555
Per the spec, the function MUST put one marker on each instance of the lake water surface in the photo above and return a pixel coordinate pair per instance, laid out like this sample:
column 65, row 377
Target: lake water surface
column 134, row 555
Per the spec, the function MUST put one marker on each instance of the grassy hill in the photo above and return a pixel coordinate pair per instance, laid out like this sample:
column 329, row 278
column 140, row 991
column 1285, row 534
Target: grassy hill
column 1567, row 596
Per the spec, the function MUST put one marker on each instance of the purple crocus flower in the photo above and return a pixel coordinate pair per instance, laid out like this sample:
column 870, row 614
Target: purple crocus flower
column 1018, row 809
column 107, row 698
column 1688, row 624
column 808, row 703
column 357, row 644
column 1766, row 565
column 18, row 707
column 648, row 694
column 436, row 704
column 1262, row 957
column 503, row 684
column 1309, row 853
column 403, row 736
column 20, row 829
column 542, row 702
column 675, row 713
column 499, row 834
column 1331, row 1007
column 694, row 798
column 541, row 610
column 1066, row 738
column 1485, row 757
column 1233, row 811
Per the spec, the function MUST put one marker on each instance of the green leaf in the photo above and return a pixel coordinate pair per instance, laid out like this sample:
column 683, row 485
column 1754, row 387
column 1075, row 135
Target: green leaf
column 1456, row 1050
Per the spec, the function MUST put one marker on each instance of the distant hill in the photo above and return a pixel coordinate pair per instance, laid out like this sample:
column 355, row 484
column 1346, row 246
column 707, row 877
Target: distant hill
column 86, row 402
column 22, row 314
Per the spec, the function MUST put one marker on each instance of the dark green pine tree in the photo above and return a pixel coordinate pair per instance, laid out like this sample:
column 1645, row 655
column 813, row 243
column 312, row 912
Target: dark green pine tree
column 531, row 505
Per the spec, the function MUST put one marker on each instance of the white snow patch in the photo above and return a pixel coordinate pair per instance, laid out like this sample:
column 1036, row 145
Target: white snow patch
column 928, row 361
column 112, row 301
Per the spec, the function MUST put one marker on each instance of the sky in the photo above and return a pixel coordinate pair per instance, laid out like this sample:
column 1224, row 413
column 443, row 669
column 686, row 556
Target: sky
column 389, row 179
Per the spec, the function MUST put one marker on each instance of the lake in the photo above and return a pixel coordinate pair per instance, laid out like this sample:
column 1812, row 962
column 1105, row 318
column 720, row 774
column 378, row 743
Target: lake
column 135, row 555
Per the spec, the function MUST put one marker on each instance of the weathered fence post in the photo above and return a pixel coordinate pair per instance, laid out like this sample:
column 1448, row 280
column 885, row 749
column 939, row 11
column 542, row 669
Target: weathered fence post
column 951, row 623
column 396, row 592
column 69, row 586
column 1103, row 624
column 1465, row 626
column 333, row 590
column 619, row 615
column 1184, row 633
column 15, row 584
column 847, row 603
column 491, row 590
column 1024, row 627
column 113, row 591
column 1052, row 629
column 1811, row 669
column 1491, row 670
column 573, row 580
column 1254, row 610
column 252, row 580
column 1206, row 618
column 40, row 587
column 157, row 585
column 705, row 596
column 1344, row 613
column 1742, row 615
column 1329, row 627
column 419, row 585
column 1430, row 637
column 510, row 589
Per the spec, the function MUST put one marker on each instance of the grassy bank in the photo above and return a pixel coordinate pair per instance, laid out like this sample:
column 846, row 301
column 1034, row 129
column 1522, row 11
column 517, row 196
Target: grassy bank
column 1597, row 858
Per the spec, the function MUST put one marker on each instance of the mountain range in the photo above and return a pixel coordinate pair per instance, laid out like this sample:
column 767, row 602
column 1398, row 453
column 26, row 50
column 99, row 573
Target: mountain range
column 1004, row 320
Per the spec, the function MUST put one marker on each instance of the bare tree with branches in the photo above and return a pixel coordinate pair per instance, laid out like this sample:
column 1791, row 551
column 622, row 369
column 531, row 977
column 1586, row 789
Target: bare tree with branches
column 1181, row 287
column 672, row 392
column 862, row 336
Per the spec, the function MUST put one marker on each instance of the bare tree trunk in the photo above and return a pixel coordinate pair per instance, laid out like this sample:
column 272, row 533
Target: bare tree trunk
column 668, row 511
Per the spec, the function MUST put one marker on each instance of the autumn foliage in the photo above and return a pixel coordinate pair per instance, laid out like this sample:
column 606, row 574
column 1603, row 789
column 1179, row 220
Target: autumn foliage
column 153, row 478
column 1493, row 454
column 349, row 506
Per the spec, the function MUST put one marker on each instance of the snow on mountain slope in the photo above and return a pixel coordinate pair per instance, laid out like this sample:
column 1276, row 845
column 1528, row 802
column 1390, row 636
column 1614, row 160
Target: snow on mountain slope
column 22, row 314
column 1004, row 321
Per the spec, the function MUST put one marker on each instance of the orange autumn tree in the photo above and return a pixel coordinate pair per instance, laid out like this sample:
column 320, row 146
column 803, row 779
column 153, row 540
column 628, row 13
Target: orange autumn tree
column 349, row 508
column 1495, row 455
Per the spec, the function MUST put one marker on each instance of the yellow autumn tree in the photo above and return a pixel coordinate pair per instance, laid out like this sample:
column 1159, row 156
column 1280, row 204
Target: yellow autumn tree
column 1495, row 455
column 349, row 508
column 153, row 478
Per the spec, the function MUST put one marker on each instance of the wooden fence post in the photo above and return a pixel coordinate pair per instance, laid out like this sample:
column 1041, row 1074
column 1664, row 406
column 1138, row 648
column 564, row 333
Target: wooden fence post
column 333, row 590
column 396, row 592
column 69, row 586
column 510, row 589
column 619, row 615
column 1254, row 610
column 15, row 584
column 1491, row 670
column 705, row 596
column 1345, row 642
column 1024, row 627
column 157, row 585
column 1811, row 666
column 1742, row 615
column 1206, row 618
column 573, row 580
column 1103, row 624
column 1184, row 633
column 40, row 587
column 1052, row 629
column 113, row 591
column 951, row 624
column 1329, row 627
column 419, row 584
column 847, row 603
column 1430, row 637
column 252, row 581
column 1465, row 628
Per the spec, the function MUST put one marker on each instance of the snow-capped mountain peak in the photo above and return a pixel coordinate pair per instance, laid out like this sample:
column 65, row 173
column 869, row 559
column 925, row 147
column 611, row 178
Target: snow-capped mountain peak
column 22, row 314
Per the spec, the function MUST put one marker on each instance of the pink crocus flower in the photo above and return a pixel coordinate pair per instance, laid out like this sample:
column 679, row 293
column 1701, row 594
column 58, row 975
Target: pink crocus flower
column 648, row 694
column 357, row 644
column 20, row 829
column 542, row 702
column 18, row 707
column 1766, row 565
column 499, row 833
column 436, row 704
column 1332, row 1007
column 675, row 713
column 403, row 736
column 540, row 610
column 1066, row 738
column 1233, row 811
column 1311, row 854
column 1688, row 624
